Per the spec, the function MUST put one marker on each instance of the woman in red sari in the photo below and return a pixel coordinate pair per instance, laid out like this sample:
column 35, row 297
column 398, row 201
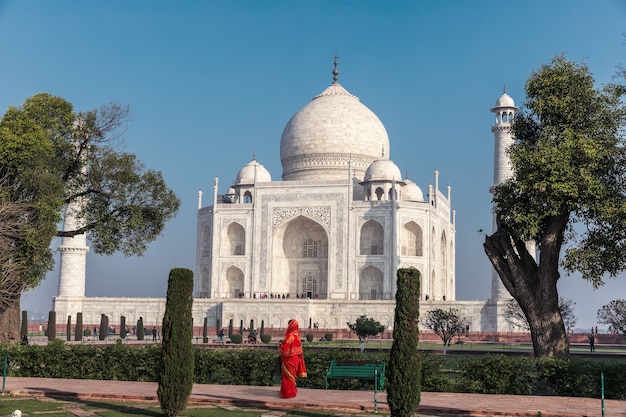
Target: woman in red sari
column 291, row 360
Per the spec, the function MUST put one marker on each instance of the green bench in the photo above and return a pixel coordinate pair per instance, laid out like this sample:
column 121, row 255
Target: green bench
column 359, row 370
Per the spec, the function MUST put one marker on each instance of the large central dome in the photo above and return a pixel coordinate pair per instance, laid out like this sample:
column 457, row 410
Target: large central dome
column 330, row 134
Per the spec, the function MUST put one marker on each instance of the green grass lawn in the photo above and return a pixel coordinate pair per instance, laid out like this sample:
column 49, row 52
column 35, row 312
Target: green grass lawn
column 50, row 407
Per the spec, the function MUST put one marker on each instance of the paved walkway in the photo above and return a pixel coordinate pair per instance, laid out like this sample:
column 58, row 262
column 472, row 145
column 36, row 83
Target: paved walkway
column 313, row 399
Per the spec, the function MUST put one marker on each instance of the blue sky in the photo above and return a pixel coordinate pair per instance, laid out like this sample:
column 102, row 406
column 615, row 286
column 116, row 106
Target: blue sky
column 210, row 83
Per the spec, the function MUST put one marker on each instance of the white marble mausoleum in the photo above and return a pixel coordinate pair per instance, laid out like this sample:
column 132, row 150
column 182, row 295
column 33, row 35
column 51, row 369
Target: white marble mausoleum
column 320, row 242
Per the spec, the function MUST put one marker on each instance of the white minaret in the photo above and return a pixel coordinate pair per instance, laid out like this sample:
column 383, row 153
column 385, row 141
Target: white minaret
column 73, row 263
column 73, row 257
column 502, row 169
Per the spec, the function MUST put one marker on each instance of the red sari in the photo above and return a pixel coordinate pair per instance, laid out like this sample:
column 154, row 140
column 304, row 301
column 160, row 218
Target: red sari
column 292, row 360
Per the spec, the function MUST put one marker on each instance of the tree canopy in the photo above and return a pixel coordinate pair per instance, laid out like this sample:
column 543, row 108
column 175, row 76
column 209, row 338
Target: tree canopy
column 365, row 328
column 614, row 315
column 566, row 193
column 51, row 157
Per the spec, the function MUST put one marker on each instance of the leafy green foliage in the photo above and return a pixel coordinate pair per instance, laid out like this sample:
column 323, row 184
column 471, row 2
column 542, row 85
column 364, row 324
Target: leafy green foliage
column 614, row 314
column 405, row 367
column 446, row 324
column 236, row 338
column 176, row 364
column 266, row 338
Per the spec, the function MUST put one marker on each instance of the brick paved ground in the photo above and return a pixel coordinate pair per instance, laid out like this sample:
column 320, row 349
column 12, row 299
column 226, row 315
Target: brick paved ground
column 335, row 400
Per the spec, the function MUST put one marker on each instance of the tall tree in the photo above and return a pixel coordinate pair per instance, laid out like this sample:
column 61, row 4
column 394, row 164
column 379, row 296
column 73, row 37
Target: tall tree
column 51, row 156
column 566, row 193
column 176, row 365
column 404, row 374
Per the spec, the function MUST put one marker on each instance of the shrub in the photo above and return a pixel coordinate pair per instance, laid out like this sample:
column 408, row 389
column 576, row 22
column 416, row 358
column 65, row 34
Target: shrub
column 236, row 338
column 266, row 338
column 434, row 377
column 405, row 368
column 328, row 337
column 497, row 374
column 309, row 337
column 86, row 332
column 176, row 363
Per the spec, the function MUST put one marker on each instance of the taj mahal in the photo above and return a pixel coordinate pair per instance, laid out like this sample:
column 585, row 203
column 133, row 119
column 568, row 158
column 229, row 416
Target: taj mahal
column 323, row 243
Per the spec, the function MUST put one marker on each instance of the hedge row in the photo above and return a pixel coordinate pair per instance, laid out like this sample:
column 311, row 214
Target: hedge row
column 491, row 374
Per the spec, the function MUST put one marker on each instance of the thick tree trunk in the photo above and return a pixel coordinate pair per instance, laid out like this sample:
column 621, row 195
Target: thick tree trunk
column 541, row 307
column 534, row 286
column 10, row 322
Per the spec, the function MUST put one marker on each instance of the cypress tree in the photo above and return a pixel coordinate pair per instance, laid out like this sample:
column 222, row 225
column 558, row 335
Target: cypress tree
column 104, row 327
column 123, row 327
column 205, row 331
column 24, row 327
column 68, row 329
column 177, row 354
column 405, row 367
column 140, row 329
column 230, row 328
column 52, row 325
column 218, row 326
column 78, row 331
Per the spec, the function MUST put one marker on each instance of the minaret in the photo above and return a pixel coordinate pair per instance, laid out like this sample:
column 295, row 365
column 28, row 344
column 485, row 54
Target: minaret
column 502, row 170
column 73, row 262
column 73, row 257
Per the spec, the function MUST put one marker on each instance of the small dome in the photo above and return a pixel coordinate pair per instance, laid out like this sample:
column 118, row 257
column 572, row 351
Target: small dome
column 504, row 101
column 411, row 192
column 383, row 170
column 253, row 172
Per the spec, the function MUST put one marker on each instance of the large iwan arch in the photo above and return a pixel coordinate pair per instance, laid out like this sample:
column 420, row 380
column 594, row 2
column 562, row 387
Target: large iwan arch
column 300, row 259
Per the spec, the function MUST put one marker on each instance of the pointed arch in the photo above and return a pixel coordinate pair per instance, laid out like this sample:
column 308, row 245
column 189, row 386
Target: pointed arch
column 234, row 282
column 300, row 258
column 371, row 241
column 235, row 242
column 411, row 239
column 370, row 283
